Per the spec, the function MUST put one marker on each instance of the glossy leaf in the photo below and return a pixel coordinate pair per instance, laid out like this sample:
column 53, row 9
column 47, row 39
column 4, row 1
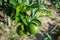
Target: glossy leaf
column 20, row 1
column 37, row 22
column 13, row 2
column 41, row 2
column 19, row 7
column 33, row 13
column 28, row 2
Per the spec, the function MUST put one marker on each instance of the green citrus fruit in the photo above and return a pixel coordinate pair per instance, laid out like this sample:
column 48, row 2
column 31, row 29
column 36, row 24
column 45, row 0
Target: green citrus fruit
column 33, row 29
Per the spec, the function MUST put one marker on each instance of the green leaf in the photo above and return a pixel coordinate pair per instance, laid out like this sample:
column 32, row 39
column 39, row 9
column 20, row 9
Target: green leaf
column 24, row 19
column 13, row 2
column 44, row 12
column 19, row 7
column 35, row 5
column 18, row 12
column 41, row 2
column 20, row 1
column 21, row 27
column 33, row 13
column 17, row 18
column 0, row 2
column 40, row 14
column 28, row 2
column 24, row 9
column 48, row 37
column 37, row 22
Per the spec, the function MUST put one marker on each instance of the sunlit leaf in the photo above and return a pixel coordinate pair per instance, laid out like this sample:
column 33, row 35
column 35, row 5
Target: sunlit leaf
column 19, row 7
column 40, row 14
column 28, row 2
column 20, row 1
column 33, row 14
column 44, row 12
column 41, row 2
column 24, row 19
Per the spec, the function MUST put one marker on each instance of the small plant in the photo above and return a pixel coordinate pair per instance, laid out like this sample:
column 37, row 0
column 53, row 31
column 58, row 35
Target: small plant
column 45, row 12
column 16, row 10
column 47, row 37
column 30, row 23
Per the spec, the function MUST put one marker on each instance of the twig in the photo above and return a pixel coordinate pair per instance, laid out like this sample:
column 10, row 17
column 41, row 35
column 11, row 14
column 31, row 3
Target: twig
column 53, row 28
